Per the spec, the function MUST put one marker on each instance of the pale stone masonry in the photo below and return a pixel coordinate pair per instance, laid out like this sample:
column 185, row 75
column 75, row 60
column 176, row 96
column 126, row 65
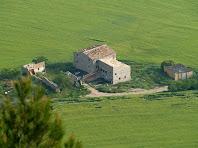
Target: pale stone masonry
column 33, row 68
column 100, row 62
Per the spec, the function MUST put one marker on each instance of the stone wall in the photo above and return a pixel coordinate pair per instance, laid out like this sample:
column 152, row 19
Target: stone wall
column 52, row 85
column 105, row 71
column 121, row 74
column 74, row 79
column 171, row 74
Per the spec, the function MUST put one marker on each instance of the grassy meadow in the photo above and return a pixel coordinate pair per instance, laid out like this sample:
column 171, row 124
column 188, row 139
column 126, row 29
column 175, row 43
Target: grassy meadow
column 142, row 31
column 160, row 120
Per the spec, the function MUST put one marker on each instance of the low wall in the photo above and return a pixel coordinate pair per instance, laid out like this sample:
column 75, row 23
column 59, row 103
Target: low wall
column 91, row 76
column 74, row 79
column 52, row 85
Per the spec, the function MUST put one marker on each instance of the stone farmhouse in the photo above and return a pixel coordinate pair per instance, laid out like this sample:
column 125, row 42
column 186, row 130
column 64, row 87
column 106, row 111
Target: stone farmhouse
column 100, row 62
column 178, row 71
column 33, row 68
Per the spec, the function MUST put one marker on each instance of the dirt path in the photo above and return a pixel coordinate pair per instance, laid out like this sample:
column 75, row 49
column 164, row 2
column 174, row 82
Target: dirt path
column 96, row 93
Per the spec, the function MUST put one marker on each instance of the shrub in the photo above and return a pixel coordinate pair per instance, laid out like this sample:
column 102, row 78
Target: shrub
column 40, row 59
column 167, row 63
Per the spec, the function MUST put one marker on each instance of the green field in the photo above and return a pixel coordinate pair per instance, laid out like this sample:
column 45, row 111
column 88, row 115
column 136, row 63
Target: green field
column 142, row 31
column 133, row 121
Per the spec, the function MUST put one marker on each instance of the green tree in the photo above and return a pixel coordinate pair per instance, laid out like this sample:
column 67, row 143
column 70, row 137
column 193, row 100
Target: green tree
column 40, row 59
column 10, row 73
column 167, row 63
column 1, row 90
column 62, row 81
column 30, row 122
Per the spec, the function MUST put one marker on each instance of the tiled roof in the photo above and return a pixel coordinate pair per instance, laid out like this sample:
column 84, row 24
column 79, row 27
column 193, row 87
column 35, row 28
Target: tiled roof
column 98, row 51
column 179, row 68
column 113, row 63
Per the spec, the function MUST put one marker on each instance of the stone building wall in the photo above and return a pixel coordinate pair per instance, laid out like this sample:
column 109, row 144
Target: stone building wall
column 170, row 73
column 105, row 71
column 83, row 62
column 121, row 74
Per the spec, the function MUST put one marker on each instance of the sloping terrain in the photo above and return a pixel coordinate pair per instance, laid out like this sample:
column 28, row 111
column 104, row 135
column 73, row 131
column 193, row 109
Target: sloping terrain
column 159, row 120
column 143, row 31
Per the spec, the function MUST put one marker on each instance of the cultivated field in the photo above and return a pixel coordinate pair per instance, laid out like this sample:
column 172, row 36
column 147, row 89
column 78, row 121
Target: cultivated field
column 159, row 120
column 142, row 31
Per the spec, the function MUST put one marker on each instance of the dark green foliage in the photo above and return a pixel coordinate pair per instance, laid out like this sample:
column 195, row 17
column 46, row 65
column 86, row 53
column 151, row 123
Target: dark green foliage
column 182, row 85
column 10, row 73
column 60, row 66
column 30, row 123
column 40, row 59
column 72, row 143
column 1, row 90
column 167, row 63
column 62, row 81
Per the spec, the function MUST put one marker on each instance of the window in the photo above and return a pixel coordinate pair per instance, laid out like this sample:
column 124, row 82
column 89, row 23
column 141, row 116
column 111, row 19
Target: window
column 96, row 66
column 76, row 61
column 115, row 73
column 124, row 76
column 119, row 78
column 100, row 69
column 77, row 54
column 38, row 68
column 89, row 59
column 105, row 71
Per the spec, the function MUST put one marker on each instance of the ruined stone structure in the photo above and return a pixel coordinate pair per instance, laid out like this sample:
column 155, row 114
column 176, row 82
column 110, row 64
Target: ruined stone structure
column 100, row 62
column 178, row 71
column 74, row 79
column 33, row 68
column 51, row 84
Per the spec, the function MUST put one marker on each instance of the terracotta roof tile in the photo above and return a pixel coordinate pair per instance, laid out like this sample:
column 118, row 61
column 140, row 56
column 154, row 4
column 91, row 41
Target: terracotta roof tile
column 98, row 51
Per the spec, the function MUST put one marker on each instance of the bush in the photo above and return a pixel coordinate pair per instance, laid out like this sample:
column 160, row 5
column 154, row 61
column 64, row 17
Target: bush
column 40, row 59
column 182, row 85
column 10, row 73
column 62, row 81
column 167, row 63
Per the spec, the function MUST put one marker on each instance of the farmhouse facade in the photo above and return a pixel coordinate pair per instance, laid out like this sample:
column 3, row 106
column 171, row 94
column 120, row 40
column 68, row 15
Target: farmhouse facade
column 33, row 68
column 178, row 71
column 100, row 62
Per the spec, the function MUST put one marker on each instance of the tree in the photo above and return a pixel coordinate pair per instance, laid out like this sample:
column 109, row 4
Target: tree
column 10, row 73
column 62, row 81
column 30, row 122
column 167, row 63
column 1, row 90
column 40, row 59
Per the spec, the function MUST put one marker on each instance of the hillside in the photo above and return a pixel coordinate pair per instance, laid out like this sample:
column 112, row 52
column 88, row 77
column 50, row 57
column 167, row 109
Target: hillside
column 159, row 120
column 142, row 31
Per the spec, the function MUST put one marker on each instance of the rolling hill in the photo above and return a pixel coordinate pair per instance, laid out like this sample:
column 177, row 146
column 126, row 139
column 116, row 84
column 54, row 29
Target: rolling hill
column 142, row 31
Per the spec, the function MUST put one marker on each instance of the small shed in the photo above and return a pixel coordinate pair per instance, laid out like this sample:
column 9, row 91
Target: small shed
column 178, row 71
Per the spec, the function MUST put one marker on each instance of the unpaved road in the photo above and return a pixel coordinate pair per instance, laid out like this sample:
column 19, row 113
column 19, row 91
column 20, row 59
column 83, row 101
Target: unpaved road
column 96, row 93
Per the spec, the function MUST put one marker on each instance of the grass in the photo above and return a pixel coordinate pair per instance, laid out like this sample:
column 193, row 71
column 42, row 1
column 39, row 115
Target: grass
column 160, row 120
column 140, row 31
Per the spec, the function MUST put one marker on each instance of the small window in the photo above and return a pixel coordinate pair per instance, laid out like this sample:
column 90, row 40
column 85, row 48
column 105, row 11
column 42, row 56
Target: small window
column 89, row 59
column 105, row 71
column 119, row 78
column 124, row 76
column 77, row 54
column 115, row 73
column 96, row 66
column 76, row 61
column 38, row 68
column 100, row 69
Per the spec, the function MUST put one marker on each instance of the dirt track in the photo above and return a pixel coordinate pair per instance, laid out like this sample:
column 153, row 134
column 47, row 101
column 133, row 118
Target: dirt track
column 96, row 93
